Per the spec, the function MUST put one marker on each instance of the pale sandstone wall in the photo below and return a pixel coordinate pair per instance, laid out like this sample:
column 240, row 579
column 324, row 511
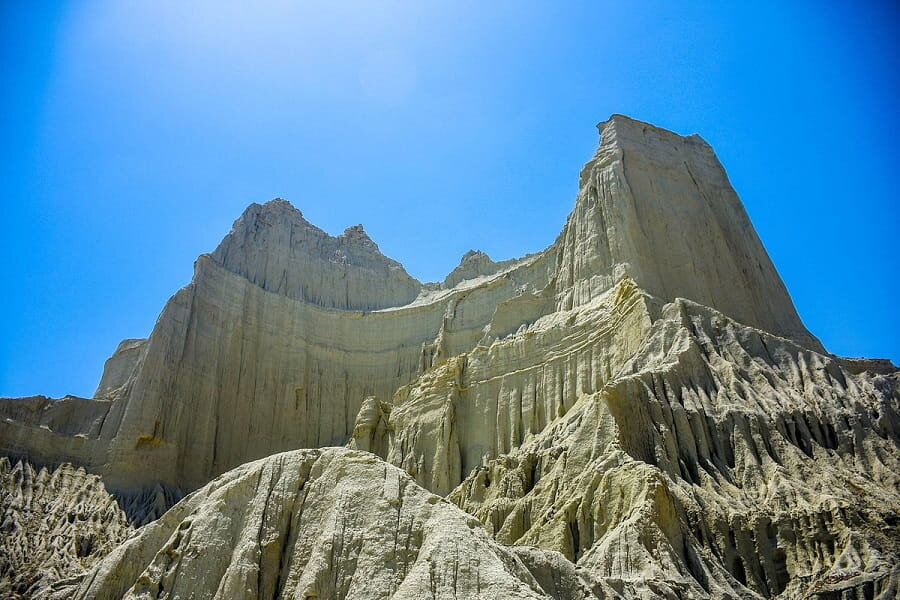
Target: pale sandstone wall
column 119, row 367
column 233, row 372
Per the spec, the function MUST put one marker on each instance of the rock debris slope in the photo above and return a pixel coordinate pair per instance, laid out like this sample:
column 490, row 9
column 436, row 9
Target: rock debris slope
column 637, row 411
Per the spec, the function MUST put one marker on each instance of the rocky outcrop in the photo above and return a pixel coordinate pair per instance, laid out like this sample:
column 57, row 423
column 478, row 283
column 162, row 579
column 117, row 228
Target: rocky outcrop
column 274, row 247
column 322, row 524
column 477, row 405
column 474, row 264
column 120, row 366
column 53, row 524
column 720, row 461
column 637, row 411
column 658, row 207
column 52, row 431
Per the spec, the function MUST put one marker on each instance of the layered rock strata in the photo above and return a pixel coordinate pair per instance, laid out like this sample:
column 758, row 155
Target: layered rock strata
column 284, row 329
column 718, row 459
column 637, row 411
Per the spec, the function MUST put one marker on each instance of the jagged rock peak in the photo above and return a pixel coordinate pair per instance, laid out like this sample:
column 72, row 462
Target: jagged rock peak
column 356, row 231
column 277, row 210
column 659, row 207
column 273, row 246
column 473, row 263
column 279, row 204
column 356, row 235
column 474, row 255
column 477, row 263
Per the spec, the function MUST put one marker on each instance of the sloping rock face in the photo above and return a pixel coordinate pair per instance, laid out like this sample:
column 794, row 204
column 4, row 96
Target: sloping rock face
column 637, row 411
column 120, row 366
column 658, row 207
column 274, row 247
column 718, row 459
column 52, row 431
column 321, row 524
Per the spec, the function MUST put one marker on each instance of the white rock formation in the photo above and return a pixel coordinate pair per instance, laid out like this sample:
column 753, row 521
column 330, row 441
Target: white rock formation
column 475, row 264
column 659, row 208
column 328, row 523
column 254, row 357
column 715, row 460
column 274, row 247
column 637, row 409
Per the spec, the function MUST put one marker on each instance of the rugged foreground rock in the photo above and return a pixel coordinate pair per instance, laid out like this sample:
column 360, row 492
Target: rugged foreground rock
column 637, row 411
column 331, row 523
column 53, row 524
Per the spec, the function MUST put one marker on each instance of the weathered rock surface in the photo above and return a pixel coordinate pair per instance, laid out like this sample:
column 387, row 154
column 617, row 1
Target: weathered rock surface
column 474, row 264
column 53, row 524
column 120, row 366
column 284, row 329
column 667, row 446
column 659, row 208
column 52, row 431
column 485, row 402
column 718, row 459
column 274, row 247
column 233, row 372
column 635, row 411
column 331, row 523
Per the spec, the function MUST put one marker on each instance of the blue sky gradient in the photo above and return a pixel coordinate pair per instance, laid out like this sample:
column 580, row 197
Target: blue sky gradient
column 134, row 133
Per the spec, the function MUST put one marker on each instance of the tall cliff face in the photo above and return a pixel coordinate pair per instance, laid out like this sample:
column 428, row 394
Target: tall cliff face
column 638, row 405
column 285, row 329
column 658, row 207
column 249, row 359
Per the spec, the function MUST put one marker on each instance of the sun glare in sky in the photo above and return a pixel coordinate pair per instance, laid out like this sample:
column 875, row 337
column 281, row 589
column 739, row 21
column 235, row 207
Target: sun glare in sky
column 136, row 132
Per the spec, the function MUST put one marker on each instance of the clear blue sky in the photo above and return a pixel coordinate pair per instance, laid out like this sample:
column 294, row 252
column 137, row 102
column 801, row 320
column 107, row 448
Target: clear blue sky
column 134, row 133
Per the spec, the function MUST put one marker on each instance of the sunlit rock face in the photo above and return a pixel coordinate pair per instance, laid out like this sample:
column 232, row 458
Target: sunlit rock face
column 329, row 523
column 636, row 411
column 659, row 208
column 276, row 249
